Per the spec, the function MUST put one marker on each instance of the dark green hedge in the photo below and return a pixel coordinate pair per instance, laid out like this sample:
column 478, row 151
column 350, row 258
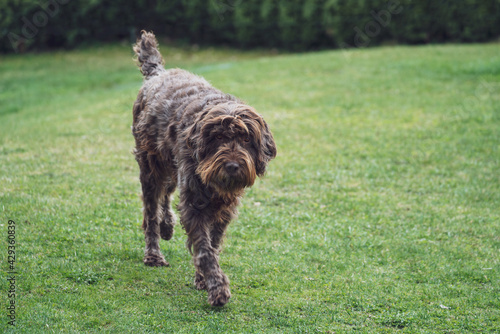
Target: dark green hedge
column 290, row 24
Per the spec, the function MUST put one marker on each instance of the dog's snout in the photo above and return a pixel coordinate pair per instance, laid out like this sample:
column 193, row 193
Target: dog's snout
column 232, row 167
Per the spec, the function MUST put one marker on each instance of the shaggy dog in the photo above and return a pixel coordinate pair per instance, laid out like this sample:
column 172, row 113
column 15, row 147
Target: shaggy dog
column 209, row 144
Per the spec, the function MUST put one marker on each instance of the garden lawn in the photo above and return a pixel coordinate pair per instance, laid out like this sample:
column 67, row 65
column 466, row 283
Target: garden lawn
column 381, row 212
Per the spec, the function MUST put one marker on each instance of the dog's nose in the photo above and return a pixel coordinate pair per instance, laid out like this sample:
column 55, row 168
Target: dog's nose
column 232, row 167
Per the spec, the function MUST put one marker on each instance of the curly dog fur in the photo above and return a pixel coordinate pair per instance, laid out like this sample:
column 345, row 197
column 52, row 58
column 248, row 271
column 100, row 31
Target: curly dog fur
column 210, row 145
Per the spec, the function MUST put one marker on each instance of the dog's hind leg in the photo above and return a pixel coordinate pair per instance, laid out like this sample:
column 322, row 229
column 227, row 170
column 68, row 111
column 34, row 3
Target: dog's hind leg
column 168, row 219
column 153, row 194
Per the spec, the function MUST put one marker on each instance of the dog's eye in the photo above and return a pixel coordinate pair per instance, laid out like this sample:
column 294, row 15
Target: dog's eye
column 219, row 137
column 246, row 139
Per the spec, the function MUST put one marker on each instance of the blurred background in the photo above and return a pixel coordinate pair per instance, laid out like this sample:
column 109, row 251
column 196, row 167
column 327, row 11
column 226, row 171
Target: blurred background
column 296, row 25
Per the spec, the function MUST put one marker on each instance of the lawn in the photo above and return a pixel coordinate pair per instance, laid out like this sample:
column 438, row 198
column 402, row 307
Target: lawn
column 381, row 212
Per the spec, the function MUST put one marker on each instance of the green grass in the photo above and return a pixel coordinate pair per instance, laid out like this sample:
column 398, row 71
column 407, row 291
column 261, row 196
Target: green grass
column 381, row 212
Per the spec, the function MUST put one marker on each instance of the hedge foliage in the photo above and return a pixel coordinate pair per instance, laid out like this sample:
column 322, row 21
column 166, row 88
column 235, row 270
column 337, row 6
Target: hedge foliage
column 290, row 24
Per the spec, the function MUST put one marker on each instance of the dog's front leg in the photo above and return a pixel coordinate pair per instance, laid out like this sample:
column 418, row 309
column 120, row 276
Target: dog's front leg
column 206, row 261
column 198, row 222
column 216, row 235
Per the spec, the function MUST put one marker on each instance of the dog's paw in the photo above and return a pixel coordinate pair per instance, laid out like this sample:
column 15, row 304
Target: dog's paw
column 155, row 261
column 166, row 231
column 219, row 296
column 199, row 282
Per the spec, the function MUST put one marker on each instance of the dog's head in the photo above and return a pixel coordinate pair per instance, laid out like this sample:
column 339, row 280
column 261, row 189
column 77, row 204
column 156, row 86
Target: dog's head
column 232, row 144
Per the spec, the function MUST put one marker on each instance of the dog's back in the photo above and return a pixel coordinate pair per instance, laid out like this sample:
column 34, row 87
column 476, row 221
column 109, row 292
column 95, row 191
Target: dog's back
column 171, row 86
column 163, row 93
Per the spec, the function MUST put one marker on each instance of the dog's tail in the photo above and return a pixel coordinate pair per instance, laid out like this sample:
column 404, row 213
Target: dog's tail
column 149, row 58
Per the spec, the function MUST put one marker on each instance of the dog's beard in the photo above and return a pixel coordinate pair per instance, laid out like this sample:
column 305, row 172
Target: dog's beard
column 213, row 173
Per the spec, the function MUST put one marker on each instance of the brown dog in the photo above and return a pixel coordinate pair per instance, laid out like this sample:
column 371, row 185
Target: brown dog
column 209, row 144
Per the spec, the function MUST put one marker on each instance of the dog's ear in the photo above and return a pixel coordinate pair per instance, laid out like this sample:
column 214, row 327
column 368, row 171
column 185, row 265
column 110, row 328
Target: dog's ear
column 193, row 140
column 267, row 149
column 194, row 136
